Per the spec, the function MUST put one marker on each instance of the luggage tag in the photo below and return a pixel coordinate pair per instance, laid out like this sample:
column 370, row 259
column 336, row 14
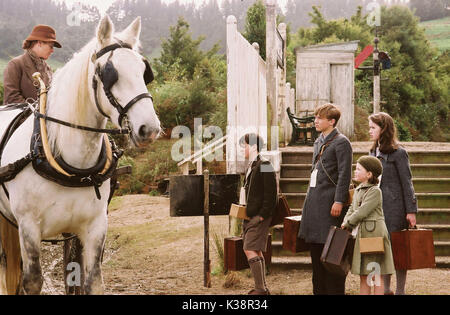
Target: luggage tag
column 313, row 180
column 242, row 199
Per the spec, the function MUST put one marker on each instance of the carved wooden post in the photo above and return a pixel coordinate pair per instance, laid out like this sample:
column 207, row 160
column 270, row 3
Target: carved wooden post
column 271, row 77
column 207, row 262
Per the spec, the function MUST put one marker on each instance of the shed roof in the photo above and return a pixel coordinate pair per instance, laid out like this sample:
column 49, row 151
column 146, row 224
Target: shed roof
column 351, row 46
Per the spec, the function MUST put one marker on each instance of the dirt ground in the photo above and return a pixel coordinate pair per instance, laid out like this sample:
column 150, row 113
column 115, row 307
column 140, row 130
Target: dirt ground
column 149, row 252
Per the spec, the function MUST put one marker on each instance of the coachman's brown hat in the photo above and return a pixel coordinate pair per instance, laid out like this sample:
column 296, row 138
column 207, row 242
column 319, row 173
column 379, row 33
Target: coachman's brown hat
column 43, row 33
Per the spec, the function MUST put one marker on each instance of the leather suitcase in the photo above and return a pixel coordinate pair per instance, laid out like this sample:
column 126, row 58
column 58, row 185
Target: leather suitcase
column 413, row 249
column 282, row 211
column 337, row 252
column 234, row 257
column 291, row 241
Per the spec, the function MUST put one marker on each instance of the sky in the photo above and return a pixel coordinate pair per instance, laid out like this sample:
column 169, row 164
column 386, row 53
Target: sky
column 103, row 5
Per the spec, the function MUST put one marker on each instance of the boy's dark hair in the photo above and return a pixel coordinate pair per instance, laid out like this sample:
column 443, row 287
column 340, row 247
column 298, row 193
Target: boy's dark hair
column 252, row 139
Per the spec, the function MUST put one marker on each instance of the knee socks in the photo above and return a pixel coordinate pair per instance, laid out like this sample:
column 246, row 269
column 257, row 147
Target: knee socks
column 258, row 271
column 401, row 282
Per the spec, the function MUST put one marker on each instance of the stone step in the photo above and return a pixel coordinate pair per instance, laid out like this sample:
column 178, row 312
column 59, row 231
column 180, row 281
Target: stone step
column 425, row 199
column 278, row 250
column 304, row 262
column 424, row 215
column 421, row 185
column 441, row 248
column 418, row 170
column 415, row 157
column 441, row 232
column 433, row 216
column 430, row 170
column 433, row 200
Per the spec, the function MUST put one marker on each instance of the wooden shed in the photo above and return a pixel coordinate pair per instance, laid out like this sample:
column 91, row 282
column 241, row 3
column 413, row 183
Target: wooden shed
column 325, row 74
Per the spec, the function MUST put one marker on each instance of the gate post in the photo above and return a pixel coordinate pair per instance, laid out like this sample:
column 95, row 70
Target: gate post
column 207, row 261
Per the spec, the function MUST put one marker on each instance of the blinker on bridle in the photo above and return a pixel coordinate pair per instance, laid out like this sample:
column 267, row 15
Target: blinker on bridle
column 109, row 76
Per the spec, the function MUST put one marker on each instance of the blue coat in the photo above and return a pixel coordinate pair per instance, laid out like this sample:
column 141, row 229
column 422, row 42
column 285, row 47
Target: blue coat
column 398, row 191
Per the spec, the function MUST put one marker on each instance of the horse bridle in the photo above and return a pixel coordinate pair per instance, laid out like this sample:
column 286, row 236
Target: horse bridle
column 108, row 75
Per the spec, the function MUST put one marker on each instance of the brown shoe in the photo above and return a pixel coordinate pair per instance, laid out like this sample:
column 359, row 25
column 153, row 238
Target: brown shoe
column 258, row 292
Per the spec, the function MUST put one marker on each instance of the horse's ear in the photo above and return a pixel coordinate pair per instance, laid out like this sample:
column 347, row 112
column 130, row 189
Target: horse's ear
column 105, row 31
column 132, row 33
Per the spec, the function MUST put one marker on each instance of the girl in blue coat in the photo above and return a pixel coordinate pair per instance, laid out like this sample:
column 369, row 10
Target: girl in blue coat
column 399, row 201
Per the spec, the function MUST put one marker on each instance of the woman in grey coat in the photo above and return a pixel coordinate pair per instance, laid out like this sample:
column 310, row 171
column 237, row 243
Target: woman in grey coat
column 399, row 201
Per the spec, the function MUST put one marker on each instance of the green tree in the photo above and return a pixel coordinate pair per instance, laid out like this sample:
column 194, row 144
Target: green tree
column 255, row 26
column 416, row 90
column 180, row 50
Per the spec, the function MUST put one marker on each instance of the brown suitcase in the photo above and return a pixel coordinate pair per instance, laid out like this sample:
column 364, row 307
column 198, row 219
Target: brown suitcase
column 291, row 241
column 234, row 257
column 337, row 252
column 413, row 249
column 282, row 211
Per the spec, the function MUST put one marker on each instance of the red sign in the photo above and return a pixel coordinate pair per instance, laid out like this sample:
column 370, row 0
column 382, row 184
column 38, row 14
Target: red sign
column 365, row 53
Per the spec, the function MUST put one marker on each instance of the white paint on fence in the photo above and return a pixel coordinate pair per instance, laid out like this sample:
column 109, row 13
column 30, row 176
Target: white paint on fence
column 246, row 94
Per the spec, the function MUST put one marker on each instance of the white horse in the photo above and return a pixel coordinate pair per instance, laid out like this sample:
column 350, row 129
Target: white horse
column 45, row 209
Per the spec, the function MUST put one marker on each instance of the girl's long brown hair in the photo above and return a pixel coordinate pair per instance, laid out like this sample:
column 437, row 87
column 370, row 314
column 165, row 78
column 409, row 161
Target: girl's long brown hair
column 388, row 136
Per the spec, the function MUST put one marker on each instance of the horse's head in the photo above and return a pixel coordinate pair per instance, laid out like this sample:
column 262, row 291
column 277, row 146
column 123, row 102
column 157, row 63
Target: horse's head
column 120, row 77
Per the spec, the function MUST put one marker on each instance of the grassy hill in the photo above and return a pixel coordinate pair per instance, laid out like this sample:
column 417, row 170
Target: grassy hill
column 438, row 32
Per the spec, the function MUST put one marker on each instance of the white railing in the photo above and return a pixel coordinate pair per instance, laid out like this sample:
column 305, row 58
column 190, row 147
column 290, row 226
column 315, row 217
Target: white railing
column 197, row 157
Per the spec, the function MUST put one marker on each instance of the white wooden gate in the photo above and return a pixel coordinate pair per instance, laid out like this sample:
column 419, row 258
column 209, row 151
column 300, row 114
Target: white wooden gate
column 246, row 95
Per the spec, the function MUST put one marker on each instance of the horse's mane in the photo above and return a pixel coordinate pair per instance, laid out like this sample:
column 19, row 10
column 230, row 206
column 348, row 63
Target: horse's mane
column 69, row 98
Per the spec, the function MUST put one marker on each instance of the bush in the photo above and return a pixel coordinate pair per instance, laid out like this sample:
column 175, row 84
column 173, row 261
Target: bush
column 403, row 132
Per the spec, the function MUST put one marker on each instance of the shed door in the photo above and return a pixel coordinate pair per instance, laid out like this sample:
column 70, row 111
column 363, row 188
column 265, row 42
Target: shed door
column 312, row 87
column 341, row 94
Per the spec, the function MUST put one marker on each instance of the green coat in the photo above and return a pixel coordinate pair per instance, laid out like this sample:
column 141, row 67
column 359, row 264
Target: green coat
column 367, row 212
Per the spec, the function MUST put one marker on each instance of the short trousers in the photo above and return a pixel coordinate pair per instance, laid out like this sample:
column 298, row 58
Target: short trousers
column 255, row 234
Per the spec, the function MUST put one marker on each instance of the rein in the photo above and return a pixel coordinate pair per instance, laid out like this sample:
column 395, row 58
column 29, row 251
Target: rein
column 85, row 128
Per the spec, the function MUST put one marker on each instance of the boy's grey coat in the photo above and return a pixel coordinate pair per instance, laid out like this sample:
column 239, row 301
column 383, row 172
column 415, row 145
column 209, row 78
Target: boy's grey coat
column 316, row 217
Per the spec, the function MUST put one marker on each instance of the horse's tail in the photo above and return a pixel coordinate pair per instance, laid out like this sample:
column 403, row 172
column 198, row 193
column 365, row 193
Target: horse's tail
column 9, row 236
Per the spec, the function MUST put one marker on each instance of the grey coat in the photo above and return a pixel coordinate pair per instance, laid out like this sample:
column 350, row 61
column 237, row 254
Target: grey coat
column 366, row 211
column 316, row 216
column 398, row 191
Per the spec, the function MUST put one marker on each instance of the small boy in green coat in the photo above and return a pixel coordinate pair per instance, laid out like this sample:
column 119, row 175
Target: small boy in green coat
column 366, row 215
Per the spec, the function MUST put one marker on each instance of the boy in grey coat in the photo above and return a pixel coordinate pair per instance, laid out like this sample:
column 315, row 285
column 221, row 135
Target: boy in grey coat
column 327, row 195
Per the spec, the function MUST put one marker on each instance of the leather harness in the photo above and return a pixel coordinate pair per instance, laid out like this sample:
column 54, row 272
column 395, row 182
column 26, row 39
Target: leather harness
column 93, row 176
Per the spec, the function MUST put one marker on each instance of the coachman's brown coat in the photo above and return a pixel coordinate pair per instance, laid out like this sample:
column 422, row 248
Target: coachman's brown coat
column 18, row 80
